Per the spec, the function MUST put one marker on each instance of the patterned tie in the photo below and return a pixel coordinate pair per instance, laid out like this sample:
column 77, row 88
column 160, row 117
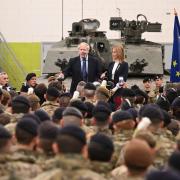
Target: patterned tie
column 84, row 73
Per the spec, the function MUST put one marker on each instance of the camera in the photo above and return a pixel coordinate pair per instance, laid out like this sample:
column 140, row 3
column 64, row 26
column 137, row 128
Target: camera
column 121, row 81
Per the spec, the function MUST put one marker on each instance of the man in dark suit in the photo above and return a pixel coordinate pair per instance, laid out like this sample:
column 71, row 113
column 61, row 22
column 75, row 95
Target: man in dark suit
column 82, row 68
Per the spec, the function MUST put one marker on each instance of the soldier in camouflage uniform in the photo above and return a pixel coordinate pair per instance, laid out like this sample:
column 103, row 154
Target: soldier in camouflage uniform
column 165, row 146
column 20, row 105
column 137, row 158
column 72, row 116
column 101, row 119
column 47, row 133
column 147, row 87
column 70, row 161
column 22, row 162
column 5, row 140
column 123, row 125
column 100, row 150
column 51, row 103
column 89, row 92
column 102, row 94
column 158, row 80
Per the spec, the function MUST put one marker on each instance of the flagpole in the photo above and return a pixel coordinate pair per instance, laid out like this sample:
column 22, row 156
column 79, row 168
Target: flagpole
column 175, row 12
column 175, row 61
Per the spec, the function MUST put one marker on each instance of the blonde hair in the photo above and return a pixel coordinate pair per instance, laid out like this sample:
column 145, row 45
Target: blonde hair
column 120, row 52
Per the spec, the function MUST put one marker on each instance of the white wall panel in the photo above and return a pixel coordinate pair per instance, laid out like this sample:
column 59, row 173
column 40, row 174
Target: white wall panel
column 40, row 20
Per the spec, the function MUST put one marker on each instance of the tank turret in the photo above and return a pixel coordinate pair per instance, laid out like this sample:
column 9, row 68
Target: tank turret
column 144, row 57
column 82, row 31
column 131, row 31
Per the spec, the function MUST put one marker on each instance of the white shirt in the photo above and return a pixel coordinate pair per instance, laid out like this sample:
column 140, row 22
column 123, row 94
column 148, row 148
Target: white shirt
column 114, row 69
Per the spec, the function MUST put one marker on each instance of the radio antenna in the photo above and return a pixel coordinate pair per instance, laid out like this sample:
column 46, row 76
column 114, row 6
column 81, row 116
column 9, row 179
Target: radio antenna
column 62, row 22
column 82, row 9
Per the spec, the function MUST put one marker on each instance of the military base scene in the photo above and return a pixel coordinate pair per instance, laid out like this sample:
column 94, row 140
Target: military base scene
column 89, row 94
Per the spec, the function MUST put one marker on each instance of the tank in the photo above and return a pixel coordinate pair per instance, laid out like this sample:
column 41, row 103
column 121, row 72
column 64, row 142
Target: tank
column 82, row 31
column 144, row 57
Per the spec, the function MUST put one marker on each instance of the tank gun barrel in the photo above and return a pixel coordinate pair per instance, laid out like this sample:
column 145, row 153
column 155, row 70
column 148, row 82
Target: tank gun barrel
column 131, row 31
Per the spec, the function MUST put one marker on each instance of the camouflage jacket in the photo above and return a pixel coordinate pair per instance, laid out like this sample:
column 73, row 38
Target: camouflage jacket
column 151, row 95
column 19, row 165
column 120, row 138
column 14, row 119
column 49, row 107
column 102, row 168
column 165, row 147
column 66, row 167
column 125, row 176
column 122, row 171
column 104, row 130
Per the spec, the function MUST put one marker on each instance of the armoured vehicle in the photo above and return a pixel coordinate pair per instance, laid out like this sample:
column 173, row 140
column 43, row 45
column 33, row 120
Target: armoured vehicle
column 82, row 31
column 144, row 57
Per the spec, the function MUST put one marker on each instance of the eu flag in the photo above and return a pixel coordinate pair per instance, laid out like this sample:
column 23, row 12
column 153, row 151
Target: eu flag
column 175, row 64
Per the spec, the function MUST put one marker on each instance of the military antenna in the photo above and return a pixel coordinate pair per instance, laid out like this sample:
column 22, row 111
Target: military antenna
column 82, row 8
column 119, row 11
column 62, row 21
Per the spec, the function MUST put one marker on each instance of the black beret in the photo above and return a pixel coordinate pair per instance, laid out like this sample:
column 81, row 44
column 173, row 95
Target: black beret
column 21, row 99
column 146, row 79
column 4, row 133
column 171, row 94
column 48, row 130
column 121, row 116
column 52, row 91
column 42, row 115
column 29, row 76
column 79, row 105
column 103, row 141
column 1, row 92
column 176, row 102
column 139, row 92
column 58, row 113
column 28, row 125
column 110, row 85
column 72, row 111
column 101, row 109
column 104, row 104
column 158, row 77
column 133, row 112
column 33, row 116
column 163, row 103
column 164, row 175
column 66, row 94
column 166, row 117
column 174, row 160
column 75, row 132
column 152, row 112
column 126, row 92
column 134, row 87
column 90, row 107
column 90, row 86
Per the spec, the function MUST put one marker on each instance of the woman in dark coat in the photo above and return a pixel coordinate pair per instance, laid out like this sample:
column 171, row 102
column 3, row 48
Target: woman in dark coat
column 118, row 68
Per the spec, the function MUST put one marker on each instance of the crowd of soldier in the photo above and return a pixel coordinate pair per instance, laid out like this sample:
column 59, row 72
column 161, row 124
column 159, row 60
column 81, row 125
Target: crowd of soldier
column 98, row 133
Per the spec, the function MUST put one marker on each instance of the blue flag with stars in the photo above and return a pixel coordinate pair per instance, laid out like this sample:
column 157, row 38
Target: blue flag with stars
column 175, row 64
